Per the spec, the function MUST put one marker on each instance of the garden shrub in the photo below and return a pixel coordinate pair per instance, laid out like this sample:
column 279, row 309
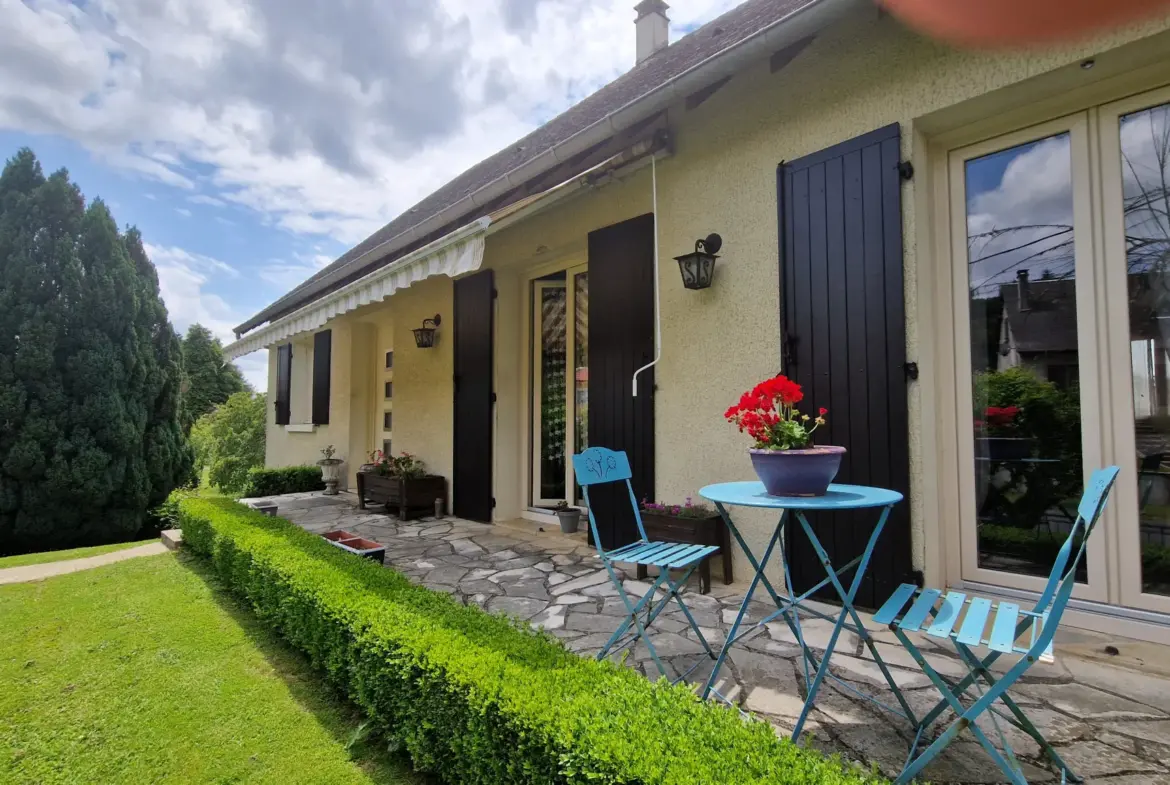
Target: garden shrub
column 229, row 441
column 470, row 697
column 287, row 479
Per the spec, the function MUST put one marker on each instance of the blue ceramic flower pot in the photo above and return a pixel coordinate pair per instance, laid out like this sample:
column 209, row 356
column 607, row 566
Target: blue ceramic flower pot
column 805, row 472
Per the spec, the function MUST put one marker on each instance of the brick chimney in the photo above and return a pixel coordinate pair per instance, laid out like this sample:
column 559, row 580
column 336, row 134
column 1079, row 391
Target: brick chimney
column 652, row 28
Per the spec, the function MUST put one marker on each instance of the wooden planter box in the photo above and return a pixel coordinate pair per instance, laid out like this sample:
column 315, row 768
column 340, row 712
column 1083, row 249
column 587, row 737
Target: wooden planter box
column 697, row 531
column 357, row 545
column 409, row 498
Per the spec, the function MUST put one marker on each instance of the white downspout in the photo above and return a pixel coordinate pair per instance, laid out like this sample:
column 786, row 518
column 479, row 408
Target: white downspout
column 657, row 314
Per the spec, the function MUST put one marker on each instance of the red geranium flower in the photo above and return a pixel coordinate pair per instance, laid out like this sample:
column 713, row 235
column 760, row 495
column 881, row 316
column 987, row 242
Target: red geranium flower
column 767, row 413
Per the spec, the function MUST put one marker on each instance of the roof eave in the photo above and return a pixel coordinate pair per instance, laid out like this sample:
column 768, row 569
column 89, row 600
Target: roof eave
column 802, row 22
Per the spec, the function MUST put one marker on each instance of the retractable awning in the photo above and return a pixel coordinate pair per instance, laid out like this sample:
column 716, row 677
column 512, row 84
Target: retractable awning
column 456, row 253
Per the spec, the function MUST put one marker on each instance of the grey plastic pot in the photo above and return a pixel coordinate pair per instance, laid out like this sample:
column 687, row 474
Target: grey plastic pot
column 570, row 520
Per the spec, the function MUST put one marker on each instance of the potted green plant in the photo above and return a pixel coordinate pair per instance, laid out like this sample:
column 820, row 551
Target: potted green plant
column 569, row 517
column 330, row 470
column 688, row 523
column 784, row 457
column 402, row 483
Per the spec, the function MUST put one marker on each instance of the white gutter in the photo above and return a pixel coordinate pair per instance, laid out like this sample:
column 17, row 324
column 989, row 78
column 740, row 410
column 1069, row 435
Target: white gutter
column 455, row 253
column 657, row 307
column 802, row 22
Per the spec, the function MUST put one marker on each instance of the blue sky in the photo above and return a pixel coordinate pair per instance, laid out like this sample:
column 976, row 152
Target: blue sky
column 254, row 141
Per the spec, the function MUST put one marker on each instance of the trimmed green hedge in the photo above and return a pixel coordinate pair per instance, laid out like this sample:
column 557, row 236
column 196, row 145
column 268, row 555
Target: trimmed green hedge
column 471, row 697
column 287, row 479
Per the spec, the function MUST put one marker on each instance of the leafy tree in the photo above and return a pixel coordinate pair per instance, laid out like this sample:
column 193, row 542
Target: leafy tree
column 209, row 380
column 1050, row 419
column 230, row 440
column 89, row 370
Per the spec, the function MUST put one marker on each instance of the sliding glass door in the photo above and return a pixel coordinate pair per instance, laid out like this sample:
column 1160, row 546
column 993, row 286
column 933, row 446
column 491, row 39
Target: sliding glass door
column 1061, row 250
column 1135, row 165
column 560, row 382
column 1023, row 252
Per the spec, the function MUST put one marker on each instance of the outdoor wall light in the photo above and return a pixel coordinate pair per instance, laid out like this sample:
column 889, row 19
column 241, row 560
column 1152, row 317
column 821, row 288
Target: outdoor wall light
column 424, row 337
column 698, row 268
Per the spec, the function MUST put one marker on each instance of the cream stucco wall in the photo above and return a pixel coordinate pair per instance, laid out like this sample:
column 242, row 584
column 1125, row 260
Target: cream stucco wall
column 284, row 447
column 423, row 378
column 861, row 75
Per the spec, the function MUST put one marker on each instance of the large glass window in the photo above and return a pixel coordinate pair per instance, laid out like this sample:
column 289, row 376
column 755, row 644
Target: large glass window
column 1145, row 180
column 1025, row 363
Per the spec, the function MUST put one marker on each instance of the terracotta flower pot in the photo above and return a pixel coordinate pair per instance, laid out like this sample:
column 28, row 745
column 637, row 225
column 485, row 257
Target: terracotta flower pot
column 806, row 472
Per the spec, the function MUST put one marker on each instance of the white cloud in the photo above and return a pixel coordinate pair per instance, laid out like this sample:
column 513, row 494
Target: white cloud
column 1025, row 221
column 183, row 211
column 323, row 117
column 284, row 275
column 211, row 201
column 182, row 278
column 254, row 366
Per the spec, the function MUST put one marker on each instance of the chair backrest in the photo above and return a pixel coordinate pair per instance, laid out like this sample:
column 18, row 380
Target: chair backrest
column 598, row 466
column 1062, row 579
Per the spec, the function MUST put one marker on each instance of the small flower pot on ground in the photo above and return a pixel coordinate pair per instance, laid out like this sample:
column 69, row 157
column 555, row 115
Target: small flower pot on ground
column 357, row 545
column 569, row 518
column 783, row 456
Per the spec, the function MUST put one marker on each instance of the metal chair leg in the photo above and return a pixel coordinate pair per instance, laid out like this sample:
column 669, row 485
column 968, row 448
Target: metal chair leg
column 674, row 592
column 633, row 616
column 1023, row 722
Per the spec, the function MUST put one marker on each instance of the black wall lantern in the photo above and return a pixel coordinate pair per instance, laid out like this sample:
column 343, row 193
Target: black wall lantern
column 698, row 268
column 424, row 337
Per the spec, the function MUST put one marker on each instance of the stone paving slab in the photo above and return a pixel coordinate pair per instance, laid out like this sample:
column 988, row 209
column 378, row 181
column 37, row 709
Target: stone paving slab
column 1111, row 724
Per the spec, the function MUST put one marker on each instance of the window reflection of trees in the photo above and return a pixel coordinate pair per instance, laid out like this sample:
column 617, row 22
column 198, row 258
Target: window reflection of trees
column 1145, row 146
column 1034, row 496
column 1021, row 281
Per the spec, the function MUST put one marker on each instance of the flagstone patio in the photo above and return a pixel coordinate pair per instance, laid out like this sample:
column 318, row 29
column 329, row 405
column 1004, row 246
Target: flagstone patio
column 1111, row 724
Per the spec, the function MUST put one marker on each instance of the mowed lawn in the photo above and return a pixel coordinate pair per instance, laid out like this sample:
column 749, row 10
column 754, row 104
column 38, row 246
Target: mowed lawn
column 74, row 553
column 144, row 672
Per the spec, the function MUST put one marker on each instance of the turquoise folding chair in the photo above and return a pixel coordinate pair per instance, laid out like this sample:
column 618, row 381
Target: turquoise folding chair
column 938, row 619
column 597, row 466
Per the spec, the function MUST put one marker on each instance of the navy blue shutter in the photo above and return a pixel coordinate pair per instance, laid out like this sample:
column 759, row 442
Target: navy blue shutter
column 845, row 342
column 283, row 382
column 621, row 287
column 474, row 396
column 322, row 357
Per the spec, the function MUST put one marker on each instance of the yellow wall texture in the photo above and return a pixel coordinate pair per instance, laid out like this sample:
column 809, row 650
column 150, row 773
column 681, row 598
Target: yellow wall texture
column 423, row 378
column 860, row 76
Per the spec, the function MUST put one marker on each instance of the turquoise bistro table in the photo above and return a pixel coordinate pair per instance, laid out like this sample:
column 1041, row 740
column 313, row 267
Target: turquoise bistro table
column 839, row 497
